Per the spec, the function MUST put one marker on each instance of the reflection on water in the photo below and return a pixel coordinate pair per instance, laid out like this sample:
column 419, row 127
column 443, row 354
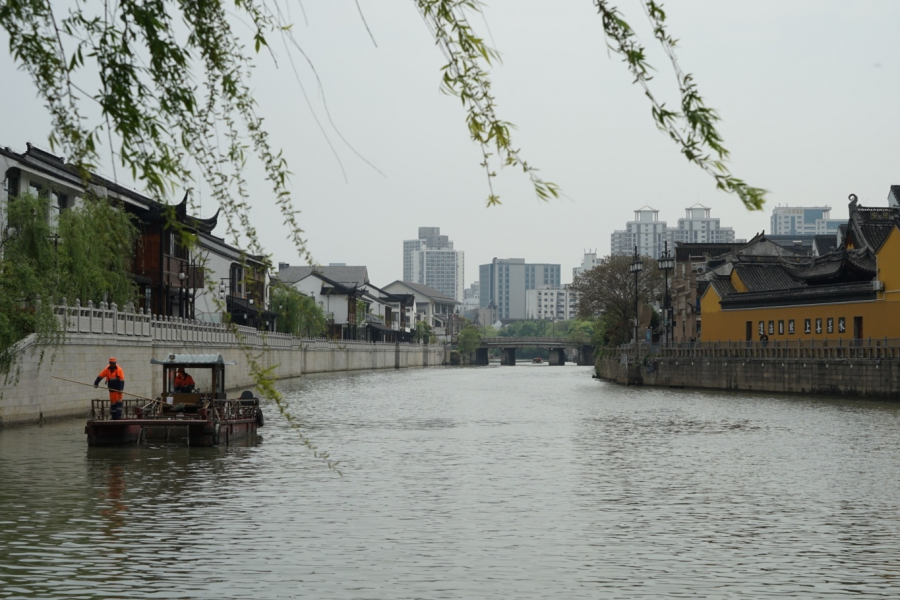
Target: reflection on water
column 471, row 483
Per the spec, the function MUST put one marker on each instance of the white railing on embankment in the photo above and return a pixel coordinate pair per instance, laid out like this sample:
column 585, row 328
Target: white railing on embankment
column 108, row 319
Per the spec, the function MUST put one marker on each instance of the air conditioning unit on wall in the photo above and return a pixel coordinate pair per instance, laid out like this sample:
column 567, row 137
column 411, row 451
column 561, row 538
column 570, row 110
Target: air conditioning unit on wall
column 877, row 285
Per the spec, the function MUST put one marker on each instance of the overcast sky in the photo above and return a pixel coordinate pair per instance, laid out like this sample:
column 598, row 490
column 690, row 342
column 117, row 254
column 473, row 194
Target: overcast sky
column 807, row 92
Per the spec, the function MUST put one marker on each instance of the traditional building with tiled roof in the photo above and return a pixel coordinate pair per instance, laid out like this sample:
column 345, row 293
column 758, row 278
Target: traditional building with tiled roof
column 847, row 293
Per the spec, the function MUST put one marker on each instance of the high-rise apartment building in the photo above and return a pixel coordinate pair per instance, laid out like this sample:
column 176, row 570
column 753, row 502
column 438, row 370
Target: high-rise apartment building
column 650, row 235
column 551, row 304
column 698, row 227
column 803, row 220
column 589, row 261
column 646, row 232
column 432, row 261
column 503, row 283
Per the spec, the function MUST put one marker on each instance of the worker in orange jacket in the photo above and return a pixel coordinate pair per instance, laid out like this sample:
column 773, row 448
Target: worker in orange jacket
column 115, row 383
column 183, row 381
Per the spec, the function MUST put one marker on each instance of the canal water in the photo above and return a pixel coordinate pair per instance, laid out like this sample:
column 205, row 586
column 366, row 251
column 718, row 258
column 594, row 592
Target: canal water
column 490, row 482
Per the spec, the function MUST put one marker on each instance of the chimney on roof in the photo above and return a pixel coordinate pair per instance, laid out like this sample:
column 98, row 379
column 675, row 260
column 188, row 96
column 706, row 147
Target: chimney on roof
column 283, row 265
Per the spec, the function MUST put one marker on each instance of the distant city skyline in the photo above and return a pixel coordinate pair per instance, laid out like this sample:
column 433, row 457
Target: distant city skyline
column 651, row 236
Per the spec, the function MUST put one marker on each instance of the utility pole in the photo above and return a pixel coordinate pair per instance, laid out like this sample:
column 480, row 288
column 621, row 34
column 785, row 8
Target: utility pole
column 636, row 267
column 666, row 264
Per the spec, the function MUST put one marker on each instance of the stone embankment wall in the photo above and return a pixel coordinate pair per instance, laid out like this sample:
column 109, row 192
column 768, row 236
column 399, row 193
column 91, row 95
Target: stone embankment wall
column 95, row 334
column 864, row 377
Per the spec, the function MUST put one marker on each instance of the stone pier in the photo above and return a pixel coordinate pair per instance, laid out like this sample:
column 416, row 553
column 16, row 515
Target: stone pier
column 557, row 357
column 481, row 356
column 508, row 357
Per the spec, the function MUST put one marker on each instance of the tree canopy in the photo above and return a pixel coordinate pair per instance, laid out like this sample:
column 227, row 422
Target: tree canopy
column 86, row 256
column 297, row 314
column 468, row 340
column 608, row 292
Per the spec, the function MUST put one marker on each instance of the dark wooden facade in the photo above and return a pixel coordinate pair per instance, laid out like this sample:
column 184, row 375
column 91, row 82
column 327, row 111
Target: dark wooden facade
column 166, row 277
column 163, row 269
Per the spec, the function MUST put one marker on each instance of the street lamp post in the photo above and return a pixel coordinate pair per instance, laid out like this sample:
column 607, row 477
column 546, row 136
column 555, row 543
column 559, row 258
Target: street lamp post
column 666, row 264
column 636, row 267
column 181, row 278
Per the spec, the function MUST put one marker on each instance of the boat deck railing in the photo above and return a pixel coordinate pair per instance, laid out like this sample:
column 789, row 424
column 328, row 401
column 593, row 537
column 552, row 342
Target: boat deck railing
column 133, row 408
column 227, row 410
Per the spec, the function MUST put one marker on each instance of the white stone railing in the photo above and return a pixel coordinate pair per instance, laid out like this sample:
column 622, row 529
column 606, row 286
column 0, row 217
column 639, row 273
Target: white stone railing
column 108, row 319
column 103, row 319
column 327, row 344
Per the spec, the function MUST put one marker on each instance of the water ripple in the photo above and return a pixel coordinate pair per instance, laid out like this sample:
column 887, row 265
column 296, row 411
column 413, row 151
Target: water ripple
column 470, row 483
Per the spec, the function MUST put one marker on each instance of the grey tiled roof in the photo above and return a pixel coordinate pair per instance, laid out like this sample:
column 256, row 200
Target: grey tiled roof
column 784, row 278
column 870, row 227
column 799, row 244
column 685, row 250
column 428, row 291
column 765, row 277
column 827, row 267
column 345, row 275
column 722, row 287
column 825, row 243
column 823, row 294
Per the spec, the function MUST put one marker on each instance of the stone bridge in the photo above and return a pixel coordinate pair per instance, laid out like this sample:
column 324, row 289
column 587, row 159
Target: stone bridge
column 556, row 345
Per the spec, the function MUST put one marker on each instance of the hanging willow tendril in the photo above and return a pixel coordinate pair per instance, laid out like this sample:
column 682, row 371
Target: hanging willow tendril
column 175, row 99
column 466, row 78
column 694, row 127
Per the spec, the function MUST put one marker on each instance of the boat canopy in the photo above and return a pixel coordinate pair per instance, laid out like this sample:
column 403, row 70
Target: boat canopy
column 193, row 360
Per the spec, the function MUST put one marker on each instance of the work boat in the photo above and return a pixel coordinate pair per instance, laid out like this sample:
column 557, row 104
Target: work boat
column 195, row 412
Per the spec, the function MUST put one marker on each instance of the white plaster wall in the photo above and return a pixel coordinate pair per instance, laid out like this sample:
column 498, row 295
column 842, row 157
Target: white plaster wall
column 216, row 267
column 336, row 305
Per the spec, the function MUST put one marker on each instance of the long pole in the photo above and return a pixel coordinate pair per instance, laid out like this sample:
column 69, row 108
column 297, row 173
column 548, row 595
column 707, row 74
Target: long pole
column 104, row 388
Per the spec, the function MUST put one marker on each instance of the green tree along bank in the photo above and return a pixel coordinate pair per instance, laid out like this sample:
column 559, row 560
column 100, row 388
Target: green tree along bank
column 297, row 314
column 468, row 340
column 85, row 255
column 608, row 296
column 423, row 332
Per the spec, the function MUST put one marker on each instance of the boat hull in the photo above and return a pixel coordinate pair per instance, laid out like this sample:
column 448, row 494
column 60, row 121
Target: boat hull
column 191, row 432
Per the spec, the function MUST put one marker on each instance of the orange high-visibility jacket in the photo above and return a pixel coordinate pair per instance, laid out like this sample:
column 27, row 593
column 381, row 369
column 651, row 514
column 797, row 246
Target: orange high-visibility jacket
column 115, row 377
column 183, row 380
